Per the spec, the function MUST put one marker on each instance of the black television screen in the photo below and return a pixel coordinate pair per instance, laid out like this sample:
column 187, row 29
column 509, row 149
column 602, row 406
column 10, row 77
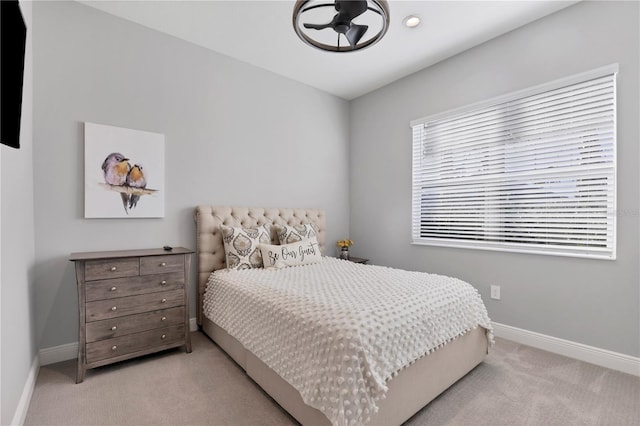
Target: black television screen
column 13, row 36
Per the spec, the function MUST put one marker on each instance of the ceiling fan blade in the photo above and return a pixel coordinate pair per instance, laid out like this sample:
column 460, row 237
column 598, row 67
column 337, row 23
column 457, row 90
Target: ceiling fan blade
column 318, row 26
column 350, row 9
column 355, row 33
column 331, row 24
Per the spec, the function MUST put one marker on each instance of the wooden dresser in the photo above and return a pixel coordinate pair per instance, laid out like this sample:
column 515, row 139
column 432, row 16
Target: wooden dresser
column 131, row 303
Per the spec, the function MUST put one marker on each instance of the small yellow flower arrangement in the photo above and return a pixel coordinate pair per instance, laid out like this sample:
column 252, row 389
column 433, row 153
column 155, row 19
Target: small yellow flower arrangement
column 345, row 244
column 344, row 248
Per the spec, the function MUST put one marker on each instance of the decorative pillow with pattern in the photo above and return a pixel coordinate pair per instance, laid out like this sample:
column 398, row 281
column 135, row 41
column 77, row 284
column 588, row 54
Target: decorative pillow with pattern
column 288, row 234
column 300, row 253
column 241, row 246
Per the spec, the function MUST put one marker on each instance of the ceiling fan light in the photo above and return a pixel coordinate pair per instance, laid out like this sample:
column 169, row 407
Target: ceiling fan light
column 342, row 24
column 411, row 21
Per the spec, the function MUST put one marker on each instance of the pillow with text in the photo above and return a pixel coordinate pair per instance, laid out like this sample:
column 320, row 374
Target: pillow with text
column 294, row 254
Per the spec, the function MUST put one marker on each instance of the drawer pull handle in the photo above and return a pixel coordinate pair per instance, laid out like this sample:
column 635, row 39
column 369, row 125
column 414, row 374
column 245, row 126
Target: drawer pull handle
column 114, row 328
column 114, row 347
column 163, row 319
column 163, row 264
column 163, row 282
column 113, row 269
column 114, row 308
column 163, row 300
column 114, row 288
column 164, row 336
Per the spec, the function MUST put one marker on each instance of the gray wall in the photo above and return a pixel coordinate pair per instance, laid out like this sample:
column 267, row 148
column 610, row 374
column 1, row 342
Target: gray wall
column 235, row 135
column 587, row 301
column 19, row 346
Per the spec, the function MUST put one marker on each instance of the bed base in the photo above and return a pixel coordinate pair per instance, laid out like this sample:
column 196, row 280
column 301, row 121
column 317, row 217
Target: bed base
column 409, row 391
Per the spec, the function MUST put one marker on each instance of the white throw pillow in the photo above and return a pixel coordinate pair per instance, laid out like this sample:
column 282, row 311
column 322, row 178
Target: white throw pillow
column 294, row 254
column 290, row 234
column 241, row 246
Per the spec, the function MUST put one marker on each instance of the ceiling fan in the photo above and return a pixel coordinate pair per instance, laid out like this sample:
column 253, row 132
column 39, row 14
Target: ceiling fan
column 342, row 23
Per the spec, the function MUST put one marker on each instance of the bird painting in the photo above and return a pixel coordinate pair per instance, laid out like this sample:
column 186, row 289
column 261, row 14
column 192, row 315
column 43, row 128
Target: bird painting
column 135, row 179
column 129, row 181
column 116, row 185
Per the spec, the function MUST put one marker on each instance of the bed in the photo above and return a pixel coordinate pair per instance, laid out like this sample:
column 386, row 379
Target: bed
column 404, row 392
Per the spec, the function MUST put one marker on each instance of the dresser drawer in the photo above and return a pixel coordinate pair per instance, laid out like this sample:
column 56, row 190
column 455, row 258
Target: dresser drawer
column 121, row 326
column 111, row 268
column 161, row 264
column 120, row 287
column 118, row 346
column 121, row 306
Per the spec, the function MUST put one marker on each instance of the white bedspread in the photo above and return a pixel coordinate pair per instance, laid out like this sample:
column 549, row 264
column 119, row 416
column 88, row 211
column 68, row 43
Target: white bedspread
column 337, row 331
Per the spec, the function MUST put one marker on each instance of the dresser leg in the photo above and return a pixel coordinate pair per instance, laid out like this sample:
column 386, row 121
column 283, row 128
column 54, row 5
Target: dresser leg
column 80, row 372
column 187, row 344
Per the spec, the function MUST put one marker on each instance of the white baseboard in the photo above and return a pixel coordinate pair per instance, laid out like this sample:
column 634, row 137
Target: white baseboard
column 602, row 357
column 58, row 353
column 23, row 404
column 70, row 350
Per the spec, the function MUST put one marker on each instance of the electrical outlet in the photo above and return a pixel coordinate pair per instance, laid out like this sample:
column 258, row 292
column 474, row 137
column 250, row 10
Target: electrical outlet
column 495, row 292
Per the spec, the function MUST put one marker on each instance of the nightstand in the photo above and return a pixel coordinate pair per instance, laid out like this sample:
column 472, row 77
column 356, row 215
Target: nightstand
column 131, row 303
column 358, row 260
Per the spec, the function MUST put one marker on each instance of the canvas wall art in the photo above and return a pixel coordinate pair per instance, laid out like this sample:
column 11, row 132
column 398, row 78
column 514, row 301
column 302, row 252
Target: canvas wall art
column 123, row 172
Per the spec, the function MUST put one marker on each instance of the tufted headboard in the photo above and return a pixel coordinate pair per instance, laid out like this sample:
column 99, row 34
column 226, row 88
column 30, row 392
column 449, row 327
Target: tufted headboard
column 211, row 256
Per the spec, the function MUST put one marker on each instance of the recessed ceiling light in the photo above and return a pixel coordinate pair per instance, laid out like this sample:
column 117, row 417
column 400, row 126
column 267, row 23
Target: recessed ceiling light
column 411, row 21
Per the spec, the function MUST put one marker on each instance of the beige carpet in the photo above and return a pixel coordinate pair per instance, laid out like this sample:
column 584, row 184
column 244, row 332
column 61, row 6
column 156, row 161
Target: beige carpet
column 516, row 385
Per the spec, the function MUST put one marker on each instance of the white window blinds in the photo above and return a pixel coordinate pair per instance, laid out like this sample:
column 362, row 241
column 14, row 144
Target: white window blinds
column 533, row 171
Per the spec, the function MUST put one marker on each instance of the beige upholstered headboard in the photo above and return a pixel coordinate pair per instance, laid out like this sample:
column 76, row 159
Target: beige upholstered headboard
column 210, row 249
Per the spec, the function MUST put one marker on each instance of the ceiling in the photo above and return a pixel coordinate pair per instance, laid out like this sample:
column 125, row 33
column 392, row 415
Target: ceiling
column 261, row 33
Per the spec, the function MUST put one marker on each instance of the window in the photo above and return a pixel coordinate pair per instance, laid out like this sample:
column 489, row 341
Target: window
column 533, row 171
